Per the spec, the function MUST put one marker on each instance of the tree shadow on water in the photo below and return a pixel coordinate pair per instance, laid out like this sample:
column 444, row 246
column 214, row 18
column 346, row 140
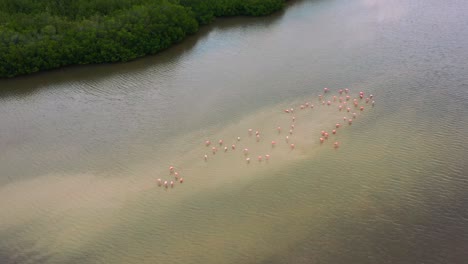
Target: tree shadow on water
column 27, row 85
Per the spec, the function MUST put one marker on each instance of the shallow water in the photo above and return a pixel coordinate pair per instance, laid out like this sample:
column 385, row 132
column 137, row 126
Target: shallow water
column 82, row 147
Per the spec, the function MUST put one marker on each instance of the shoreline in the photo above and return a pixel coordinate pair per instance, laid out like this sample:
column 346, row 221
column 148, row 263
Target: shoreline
column 199, row 27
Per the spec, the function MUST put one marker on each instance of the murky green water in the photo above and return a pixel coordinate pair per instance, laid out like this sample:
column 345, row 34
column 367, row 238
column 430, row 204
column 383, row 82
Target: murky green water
column 81, row 148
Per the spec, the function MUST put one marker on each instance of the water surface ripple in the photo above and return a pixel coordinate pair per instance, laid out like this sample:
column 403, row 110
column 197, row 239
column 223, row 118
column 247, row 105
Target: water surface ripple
column 83, row 146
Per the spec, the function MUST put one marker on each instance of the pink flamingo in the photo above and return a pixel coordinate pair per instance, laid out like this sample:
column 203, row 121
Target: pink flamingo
column 346, row 90
column 345, row 118
column 312, row 106
column 267, row 157
column 286, row 111
column 213, row 149
column 302, row 107
column 293, row 118
column 326, row 135
column 361, row 108
column 246, row 151
column 334, row 131
column 325, row 90
column 337, row 125
column 250, row 131
column 292, row 126
column 322, row 140
column 371, row 96
column 328, row 103
column 334, row 98
column 336, row 144
column 347, row 98
column 220, row 142
column 207, row 143
column 293, row 146
column 287, row 139
column 348, row 109
column 260, row 158
column 350, row 121
column 247, row 160
column 340, row 91
column 172, row 184
column 165, row 184
column 181, row 180
column 340, row 107
column 159, row 182
column 279, row 129
column 354, row 115
column 323, row 133
column 290, row 131
column 233, row 147
column 257, row 133
column 171, row 169
column 176, row 175
column 292, row 110
column 273, row 143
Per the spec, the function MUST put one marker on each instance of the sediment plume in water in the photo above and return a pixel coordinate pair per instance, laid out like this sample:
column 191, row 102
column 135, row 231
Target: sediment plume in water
column 96, row 202
column 308, row 126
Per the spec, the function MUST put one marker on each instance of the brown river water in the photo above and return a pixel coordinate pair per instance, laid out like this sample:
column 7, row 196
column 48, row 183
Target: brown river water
column 82, row 147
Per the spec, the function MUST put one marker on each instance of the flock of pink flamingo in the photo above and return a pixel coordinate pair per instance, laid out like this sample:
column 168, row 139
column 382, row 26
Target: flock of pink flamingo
column 342, row 99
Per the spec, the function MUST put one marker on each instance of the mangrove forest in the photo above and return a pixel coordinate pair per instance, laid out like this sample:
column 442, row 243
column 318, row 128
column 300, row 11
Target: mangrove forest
column 40, row 35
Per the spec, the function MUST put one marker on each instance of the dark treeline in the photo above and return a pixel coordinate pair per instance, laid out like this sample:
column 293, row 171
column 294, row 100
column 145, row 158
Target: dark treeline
column 44, row 34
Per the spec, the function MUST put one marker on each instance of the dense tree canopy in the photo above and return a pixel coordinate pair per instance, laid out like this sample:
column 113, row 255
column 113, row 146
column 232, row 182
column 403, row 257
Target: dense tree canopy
column 38, row 35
